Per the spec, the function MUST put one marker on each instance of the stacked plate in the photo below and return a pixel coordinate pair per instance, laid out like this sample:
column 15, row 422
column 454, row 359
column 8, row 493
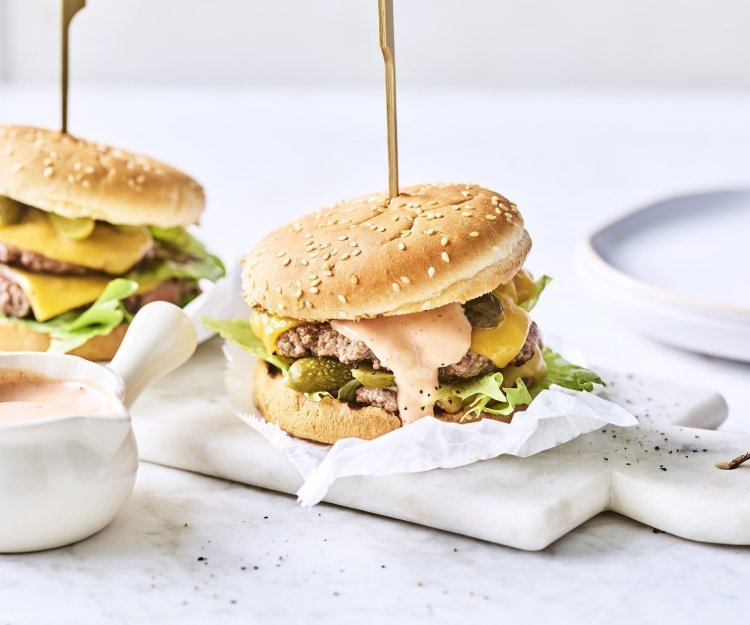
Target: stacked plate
column 679, row 271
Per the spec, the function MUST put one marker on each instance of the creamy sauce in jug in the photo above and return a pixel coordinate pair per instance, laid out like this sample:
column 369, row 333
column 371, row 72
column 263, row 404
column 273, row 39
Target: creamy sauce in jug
column 414, row 347
column 27, row 396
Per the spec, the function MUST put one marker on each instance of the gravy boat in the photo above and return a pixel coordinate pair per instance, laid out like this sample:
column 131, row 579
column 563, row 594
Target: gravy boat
column 63, row 479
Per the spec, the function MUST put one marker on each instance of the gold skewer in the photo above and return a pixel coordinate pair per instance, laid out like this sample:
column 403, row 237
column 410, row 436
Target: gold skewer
column 69, row 9
column 388, row 47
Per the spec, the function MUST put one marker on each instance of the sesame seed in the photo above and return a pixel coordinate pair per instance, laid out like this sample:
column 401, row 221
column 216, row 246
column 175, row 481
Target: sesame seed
column 280, row 254
column 343, row 237
column 426, row 305
column 315, row 282
column 444, row 241
column 495, row 200
column 304, row 262
column 48, row 172
column 265, row 286
column 140, row 179
column 490, row 217
column 325, row 266
column 356, row 252
column 344, row 256
column 326, row 256
column 314, row 290
column 312, row 276
column 465, row 193
column 342, row 298
column 498, row 210
column 429, row 231
column 298, row 293
column 286, row 261
column 395, row 286
column 353, row 243
column 328, row 273
column 466, row 214
column 278, row 290
column 455, row 207
column 354, row 279
column 401, row 245
column 17, row 167
column 381, row 229
column 77, row 166
column 405, row 280
column 473, row 233
column 445, row 257
column 431, row 272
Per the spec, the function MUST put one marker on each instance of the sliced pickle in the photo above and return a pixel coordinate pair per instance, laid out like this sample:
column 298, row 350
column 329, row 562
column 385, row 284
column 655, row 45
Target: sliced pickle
column 484, row 312
column 373, row 378
column 450, row 405
column 76, row 229
column 314, row 375
column 11, row 211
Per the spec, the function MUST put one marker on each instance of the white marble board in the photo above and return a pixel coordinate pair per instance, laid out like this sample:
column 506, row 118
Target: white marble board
column 661, row 473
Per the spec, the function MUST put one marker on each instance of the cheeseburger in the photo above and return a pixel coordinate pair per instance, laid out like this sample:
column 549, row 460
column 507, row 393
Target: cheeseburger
column 88, row 235
column 375, row 312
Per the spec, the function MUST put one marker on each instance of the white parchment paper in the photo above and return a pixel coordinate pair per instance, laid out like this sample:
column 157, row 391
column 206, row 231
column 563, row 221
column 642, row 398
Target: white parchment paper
column 555, row 417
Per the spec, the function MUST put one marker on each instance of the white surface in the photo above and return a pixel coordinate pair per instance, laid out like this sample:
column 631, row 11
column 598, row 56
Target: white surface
column 439, row 42
column 572, row 161
column 656, row 473
column 676, row 270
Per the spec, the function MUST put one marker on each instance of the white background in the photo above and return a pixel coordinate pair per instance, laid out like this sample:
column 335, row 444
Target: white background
column 439, row 42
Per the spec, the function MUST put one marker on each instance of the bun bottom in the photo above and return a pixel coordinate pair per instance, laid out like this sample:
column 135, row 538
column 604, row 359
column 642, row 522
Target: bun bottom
column 327, row 420
column 16, row 337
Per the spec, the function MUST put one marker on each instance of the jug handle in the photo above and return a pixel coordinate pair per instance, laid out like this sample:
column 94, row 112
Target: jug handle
column 160, row 338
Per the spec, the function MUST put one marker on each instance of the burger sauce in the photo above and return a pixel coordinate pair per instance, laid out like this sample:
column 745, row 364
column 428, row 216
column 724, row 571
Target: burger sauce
column 27, row 396
column 414, row 347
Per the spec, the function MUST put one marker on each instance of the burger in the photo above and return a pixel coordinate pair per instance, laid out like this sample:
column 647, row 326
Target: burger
column 374, row 312
column 88, row 235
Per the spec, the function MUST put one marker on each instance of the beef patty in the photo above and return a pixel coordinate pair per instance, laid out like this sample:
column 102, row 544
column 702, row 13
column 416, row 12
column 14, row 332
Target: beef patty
column 320, row 339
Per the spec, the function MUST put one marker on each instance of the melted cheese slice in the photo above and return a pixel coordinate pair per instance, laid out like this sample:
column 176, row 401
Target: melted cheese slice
column 534, row 369
column 111, row 249
column 519, row 289
column 51, row 295
column 268, row 328
column 502, row 343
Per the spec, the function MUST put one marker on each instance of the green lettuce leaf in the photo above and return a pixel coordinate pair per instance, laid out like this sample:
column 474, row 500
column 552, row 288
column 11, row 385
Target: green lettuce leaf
column 180, row 256
column 485, row 394
column 73, row 329
column 539, row 286
column 565, row 374
column 239, row 331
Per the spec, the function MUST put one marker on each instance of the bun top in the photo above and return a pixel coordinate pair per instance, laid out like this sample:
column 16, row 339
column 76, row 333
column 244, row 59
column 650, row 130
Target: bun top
column 432, row 245
column 74, row 177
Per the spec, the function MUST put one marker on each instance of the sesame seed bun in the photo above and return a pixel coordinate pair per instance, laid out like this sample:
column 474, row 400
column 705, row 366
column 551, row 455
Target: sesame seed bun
column 328, row 420
column 432, row 245
column 73, row 177
column 17, row 337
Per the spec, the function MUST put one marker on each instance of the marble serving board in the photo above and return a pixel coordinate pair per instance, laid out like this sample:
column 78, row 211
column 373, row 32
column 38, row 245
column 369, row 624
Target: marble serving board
column 661, row 473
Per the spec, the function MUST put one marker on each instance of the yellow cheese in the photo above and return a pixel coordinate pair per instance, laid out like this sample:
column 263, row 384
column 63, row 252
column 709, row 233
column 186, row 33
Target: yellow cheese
column 534, row 369
column 51, row 295
column 502, row 343
column 268, row 328
column 111, row 249
column 519, row 289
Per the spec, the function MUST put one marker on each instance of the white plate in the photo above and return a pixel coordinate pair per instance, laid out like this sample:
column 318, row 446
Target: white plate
column 679, row 271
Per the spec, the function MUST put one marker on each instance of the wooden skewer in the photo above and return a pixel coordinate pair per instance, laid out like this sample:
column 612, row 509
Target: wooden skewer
column 388, row 48
column 69, row 9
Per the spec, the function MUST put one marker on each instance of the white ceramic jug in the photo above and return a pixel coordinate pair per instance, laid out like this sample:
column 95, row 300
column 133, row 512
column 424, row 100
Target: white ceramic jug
column 64, row 479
